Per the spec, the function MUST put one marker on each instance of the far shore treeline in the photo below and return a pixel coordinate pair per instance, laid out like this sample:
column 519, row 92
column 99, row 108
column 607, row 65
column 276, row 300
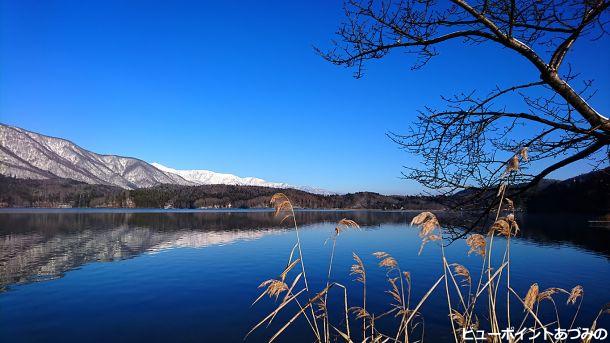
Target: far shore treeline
column 584, row 193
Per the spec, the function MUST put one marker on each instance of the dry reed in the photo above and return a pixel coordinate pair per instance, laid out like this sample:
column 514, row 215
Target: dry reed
column 462, row 316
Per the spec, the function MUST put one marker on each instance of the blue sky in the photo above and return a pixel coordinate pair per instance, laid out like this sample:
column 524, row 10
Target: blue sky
column 235, row 87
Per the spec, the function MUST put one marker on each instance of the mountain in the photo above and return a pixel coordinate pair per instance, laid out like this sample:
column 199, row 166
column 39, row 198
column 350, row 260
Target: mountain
column 29, row 155
column 586, row 193
column 206, row 177
column 70, row 193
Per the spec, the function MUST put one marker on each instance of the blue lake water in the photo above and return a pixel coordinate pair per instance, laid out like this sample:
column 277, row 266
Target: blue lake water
column 191, row 276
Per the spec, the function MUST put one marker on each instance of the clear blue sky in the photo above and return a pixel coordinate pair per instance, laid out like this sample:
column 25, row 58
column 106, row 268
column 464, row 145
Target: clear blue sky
column 234, row 86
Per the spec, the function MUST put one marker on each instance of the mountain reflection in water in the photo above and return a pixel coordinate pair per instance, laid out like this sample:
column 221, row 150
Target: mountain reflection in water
column 42, row 245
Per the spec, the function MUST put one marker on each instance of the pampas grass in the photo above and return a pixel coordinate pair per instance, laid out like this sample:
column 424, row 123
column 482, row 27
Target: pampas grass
column 531, row 297
column 463, row 303
column 477, row 244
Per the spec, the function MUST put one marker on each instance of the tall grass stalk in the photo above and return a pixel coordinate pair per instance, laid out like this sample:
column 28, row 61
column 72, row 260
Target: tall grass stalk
column 462, row 312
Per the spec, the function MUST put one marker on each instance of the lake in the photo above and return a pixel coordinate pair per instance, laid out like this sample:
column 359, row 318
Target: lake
column 186, row 276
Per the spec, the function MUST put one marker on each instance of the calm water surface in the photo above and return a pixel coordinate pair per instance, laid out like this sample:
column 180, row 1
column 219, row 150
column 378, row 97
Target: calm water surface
column 191, row 276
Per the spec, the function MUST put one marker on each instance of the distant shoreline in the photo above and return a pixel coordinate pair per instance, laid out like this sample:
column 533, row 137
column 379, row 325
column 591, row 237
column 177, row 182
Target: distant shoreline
column 190, row 210
column 586, row 193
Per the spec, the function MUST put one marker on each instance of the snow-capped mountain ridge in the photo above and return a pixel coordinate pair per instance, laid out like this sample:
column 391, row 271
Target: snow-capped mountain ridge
column 207, row 177
column 29, row 155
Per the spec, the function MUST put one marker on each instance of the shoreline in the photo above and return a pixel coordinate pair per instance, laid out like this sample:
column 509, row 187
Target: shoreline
column 190, row 210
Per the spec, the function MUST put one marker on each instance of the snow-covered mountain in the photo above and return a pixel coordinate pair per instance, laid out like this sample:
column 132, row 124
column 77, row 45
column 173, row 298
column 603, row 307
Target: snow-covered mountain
column 206, row 177
column 29, row 155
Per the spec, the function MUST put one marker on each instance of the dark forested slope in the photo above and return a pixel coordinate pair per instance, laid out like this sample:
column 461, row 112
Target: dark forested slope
column 69, row 193
column 584, row 193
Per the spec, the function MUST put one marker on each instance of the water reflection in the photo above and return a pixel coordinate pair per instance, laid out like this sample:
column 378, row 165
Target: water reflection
column 44, row 245
column 40, row 246
column 573, row 230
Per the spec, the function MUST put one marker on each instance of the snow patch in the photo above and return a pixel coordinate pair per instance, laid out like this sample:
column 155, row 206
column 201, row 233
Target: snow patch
column 207, row 177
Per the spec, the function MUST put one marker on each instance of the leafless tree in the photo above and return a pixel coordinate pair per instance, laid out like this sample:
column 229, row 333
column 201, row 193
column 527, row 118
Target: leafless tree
column 468, row 143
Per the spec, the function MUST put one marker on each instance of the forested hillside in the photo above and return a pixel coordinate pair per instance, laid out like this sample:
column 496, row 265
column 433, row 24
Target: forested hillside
column 584, row 193
column 69, row 193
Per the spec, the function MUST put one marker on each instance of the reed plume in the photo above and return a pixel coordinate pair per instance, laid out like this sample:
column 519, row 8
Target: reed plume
column 345, row 224
column 463, row 315
column 458, row 318
column 477, row 244
column 575, row 293
column 427, row 223
column 531, row 297
column 505, row 226
column 282, row 206
column 548, row 293
column 385, row 260
column 513, row 164
column 523, row 153
column 274, row 287
column 462, row 271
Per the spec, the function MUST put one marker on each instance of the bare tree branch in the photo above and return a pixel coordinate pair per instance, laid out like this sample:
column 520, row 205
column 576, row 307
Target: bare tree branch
column 465, row 146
